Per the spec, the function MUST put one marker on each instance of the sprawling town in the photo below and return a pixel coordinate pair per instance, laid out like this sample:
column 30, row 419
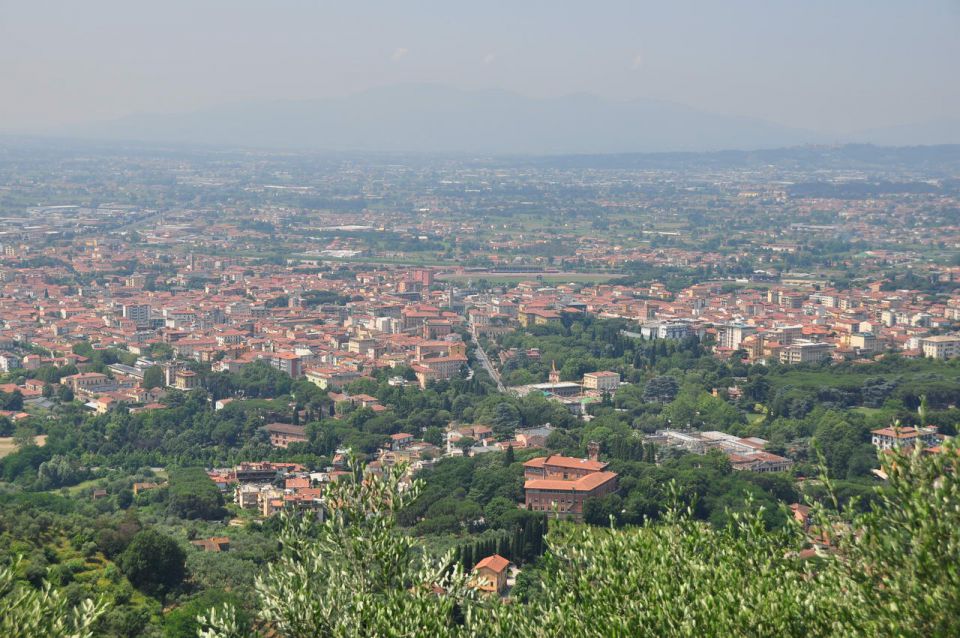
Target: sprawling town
column 202, row 344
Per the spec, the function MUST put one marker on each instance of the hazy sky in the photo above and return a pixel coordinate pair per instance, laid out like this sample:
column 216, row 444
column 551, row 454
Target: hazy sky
column 828, row 65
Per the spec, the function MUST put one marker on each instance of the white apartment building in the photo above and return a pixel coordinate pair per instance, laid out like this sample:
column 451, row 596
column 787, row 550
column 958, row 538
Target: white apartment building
column 601, row 381
column 941, row 346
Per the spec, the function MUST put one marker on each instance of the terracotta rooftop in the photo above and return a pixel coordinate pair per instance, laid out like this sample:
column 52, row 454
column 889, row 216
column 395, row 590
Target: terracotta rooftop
column 583, row 484
column 495, row 563
column 555, row 460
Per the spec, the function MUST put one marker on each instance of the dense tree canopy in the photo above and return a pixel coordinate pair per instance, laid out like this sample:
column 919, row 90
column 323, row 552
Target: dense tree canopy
column 154, row 562
column 193, row 495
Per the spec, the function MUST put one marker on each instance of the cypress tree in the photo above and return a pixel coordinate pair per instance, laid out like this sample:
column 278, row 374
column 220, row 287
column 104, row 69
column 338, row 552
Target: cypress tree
column 529, row 543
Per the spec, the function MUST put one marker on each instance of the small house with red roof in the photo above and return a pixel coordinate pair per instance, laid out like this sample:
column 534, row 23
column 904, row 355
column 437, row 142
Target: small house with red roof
column 491, row 574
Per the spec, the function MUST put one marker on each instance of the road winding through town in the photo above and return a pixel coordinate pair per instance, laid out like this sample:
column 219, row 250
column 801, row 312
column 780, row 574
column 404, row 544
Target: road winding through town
column 485, row 362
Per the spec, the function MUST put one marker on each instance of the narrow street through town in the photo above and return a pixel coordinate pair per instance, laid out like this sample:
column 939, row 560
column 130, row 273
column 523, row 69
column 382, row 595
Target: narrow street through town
column 485, row 362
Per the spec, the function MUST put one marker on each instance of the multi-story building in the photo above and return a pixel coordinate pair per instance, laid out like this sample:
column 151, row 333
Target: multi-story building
column 331, row 379
column 665, row 330
column 400, row 441
column 436, row 328
column 230, row 337
column 283, row 434
column 604, row 381
column 732, row 335
column 561, row 484
column 186, row 380
column 256, row 472
column 139, row 313
column 759, row 461
column 901, row 437
column 805, row 352
column 565, row 498
column 364, row 346
column 941, row 346
column 9, row 362
column 89, row 382
column 136, row 280
column 785, row 335
column 538, row 317
column 247, row 495
column 288, row 362
column 792, row 300
column 565, row 468
column 864, row 342
column 438, row 368
column 429, row 349
column 491, row 574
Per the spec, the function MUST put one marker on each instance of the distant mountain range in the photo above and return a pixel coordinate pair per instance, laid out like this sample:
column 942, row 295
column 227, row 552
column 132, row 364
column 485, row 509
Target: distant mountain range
column 439, row 119
column 431, row 119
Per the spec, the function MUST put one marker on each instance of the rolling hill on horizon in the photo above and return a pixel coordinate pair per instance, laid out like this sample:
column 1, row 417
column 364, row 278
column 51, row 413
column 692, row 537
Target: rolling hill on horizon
column 439, row 119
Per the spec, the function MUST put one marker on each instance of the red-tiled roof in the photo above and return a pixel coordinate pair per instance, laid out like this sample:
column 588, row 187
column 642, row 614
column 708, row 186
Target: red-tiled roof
column 285, row 428
column 555, row 460
column 495, row 563
column 583, row 484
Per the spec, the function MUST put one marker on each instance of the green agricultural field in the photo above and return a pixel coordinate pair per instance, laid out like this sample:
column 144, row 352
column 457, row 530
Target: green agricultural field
column 73, row 490
column 8, row 446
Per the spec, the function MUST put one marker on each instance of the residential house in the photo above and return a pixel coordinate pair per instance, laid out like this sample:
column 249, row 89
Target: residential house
column 283, row 434
column 491, row 574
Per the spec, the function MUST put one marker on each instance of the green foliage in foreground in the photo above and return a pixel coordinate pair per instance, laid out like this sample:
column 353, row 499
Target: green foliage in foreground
column 354, row 574
column 26, row 612
column 897, row 572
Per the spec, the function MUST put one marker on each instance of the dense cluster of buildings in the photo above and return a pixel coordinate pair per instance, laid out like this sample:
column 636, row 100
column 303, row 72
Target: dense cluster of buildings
column 267, row 488
column 236, row 319
column 331, row 330
column 304, row 318
column 305, row 271
column 799, row 323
